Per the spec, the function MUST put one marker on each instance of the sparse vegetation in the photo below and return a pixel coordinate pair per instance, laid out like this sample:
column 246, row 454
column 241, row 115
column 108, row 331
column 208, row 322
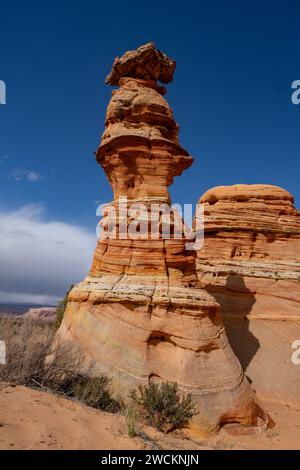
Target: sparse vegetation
column 93, row 392
column 61, row 308
column 28, row 345
column 131, row 417
column 163, row 406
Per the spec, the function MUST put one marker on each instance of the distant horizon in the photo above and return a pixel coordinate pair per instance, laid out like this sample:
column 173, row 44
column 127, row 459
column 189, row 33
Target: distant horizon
column 25, row 304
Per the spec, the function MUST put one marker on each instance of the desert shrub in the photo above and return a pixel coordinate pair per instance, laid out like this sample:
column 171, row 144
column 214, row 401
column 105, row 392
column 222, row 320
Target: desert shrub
column 28, row 345
column 131, row 417
column 94, row 392
column 61, row 308
column 163, row 407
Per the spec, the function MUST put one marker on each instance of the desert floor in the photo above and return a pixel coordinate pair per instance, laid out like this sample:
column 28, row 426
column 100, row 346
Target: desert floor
column 31, row 419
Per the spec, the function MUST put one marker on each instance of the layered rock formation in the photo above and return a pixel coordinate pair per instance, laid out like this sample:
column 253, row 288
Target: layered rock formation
column 140, row 314
column 250, row 263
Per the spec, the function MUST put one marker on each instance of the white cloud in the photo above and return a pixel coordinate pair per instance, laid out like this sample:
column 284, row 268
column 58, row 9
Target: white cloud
column 33, row 176
column 20, row 174
column 39, row 259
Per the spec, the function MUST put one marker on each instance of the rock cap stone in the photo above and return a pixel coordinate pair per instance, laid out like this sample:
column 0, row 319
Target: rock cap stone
column 146, row 63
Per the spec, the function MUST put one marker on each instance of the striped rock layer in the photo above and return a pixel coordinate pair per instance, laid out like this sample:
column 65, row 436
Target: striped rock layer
column 250, row 263
column 140, row 314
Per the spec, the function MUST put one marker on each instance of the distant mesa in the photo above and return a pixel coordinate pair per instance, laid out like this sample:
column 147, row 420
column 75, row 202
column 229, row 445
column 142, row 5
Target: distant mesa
column 44, row 313
column 22, row 310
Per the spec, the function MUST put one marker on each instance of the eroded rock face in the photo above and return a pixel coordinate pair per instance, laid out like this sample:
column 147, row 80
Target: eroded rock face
column 140, row 314
column 250, row 263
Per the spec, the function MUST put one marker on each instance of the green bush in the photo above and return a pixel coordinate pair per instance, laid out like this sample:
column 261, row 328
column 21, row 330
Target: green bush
column 163, row 406
column 60, row 309
column 93, row 392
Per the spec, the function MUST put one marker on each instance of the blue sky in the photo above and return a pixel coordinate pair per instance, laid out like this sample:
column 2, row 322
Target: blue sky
column 236, row 61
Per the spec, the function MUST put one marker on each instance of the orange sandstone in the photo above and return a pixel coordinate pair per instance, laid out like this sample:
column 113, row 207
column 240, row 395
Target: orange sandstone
column 250, row 263
column 140, row 315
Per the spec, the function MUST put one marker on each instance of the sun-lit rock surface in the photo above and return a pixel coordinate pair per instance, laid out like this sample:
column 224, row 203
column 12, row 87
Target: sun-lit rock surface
column 146, row 63
column 140, row 314
column 250, row 263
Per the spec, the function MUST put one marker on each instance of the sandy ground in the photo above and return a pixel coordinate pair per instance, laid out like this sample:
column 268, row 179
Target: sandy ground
column 30, row 419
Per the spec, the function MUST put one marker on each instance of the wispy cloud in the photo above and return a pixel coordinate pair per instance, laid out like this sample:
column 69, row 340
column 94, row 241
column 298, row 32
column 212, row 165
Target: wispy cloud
column 3, row 158
column 33, row 176
column 40, row 258
column 20, row 174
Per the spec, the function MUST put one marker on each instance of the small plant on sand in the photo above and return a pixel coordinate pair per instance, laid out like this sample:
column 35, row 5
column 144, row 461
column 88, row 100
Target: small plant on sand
column 131, row 417
column 163, row 406
column 93, row 392
column 61, row 308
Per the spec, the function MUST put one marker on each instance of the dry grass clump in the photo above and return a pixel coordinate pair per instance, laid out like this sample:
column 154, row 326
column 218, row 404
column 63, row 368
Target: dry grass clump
column 28, row 344
column 131, row 417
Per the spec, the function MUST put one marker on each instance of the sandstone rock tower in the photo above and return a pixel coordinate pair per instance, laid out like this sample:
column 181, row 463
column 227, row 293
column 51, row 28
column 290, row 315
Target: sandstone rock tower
column 140, row 314
column 250, row 263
